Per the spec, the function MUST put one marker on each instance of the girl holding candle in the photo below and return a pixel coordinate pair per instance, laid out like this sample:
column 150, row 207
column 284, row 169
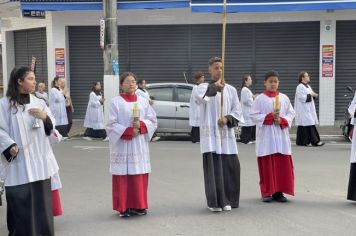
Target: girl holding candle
column 131, row 124
column 273, row 113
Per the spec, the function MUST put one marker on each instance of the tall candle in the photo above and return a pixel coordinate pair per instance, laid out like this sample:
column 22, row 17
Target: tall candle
column 276, row 104
column 136, row 112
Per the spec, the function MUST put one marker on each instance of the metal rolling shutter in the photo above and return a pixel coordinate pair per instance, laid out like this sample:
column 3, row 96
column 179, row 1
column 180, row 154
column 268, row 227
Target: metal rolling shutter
column 345, row 64
column 86, row 62
column 86, row 65
column 206, row 43
column 287, row 48
column 163, row 53
column 159, row 53
column 30, row 43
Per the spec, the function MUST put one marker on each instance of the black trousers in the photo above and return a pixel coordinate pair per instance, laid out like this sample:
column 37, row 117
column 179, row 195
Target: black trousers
column 63, row 130
column 221, row 179
column 95, row 133
column 307, row 135
column 351, row 192
column 29, row 209
column 248, row 133
column 195, row 134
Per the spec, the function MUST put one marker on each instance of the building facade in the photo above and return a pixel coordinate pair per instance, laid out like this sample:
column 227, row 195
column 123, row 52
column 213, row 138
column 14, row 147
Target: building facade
column 163, row 45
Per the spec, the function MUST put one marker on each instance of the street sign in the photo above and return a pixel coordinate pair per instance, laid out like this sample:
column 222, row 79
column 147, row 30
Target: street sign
column 34, row 13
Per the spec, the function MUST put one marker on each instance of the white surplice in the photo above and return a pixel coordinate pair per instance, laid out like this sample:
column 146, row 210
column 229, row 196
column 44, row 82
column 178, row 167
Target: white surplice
column 194, row 109
column 43, row 96
column 129, row 157
column 35, row 160
column 57, row 105
column 143, row 93
column 246, row 104
column 212, row 138
column 305, row 111
column 94, row 117
column 271, row 139
column 352, row 109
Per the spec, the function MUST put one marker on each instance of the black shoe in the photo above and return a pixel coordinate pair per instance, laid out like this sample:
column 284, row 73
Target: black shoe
column 319, row 144
column 267, row 199
column 138, row 212
column 279, row 197
column 125, row 214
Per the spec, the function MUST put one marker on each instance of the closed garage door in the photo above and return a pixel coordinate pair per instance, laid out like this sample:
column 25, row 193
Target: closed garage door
column 32, row 43
column 345, row 64
column 164, row 53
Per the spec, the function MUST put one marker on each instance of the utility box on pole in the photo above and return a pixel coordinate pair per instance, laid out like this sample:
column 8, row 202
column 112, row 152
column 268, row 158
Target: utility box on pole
column 111, row 54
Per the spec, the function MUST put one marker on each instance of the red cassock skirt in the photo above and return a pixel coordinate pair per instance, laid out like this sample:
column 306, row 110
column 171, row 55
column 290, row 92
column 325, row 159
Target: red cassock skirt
column 129, row 191
column 56, row 203
column 276, row 174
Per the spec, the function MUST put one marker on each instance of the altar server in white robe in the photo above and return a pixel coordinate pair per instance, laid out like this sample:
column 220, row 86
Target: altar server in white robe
column 25, row 125
column 273, row 114
column 94, row 117
column 351, row 193
column 194, row 109
column 217, row 140
column 131, row 124
column 41, row 92
column 248, row 128
column 58, row 107
column 142, row 91
column 306, row 117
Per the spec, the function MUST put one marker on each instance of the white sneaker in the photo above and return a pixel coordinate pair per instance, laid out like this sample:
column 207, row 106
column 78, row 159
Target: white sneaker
column 227, row 208
column 106, row 139
column 215, row 209
column 251, row 142
column 154, row 139
column 87, row 138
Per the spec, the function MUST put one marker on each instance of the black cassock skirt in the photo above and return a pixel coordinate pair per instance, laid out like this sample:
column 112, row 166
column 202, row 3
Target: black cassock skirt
column 351, row 192
column 195, row 134
column 29, row 209
column 221, row 179
column 306, row 135
column 95, row 133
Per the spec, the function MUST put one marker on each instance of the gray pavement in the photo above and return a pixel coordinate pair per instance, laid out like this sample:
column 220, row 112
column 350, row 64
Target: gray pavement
column 176, row 194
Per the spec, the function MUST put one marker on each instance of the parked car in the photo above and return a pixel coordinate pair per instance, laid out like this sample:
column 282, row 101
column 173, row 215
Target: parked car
column 171, row 103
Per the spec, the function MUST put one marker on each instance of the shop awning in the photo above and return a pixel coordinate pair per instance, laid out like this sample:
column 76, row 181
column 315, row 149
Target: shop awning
column 67, row 5
column 271, row 6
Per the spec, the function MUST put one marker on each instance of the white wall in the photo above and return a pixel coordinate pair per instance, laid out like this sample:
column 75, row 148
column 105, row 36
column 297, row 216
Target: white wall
column 8, row 52
column 327, row 85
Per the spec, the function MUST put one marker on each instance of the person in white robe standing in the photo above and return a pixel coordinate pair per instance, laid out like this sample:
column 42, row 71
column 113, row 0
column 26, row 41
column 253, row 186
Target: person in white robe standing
column 130, row 126
column 306, row 117
column 68, row 103
column 273, row 114
column 41, row 92
column 248, row 128
column 351, row 192
column 58, row 107
column 217, row 140
column 25, row 126
column 94, row 117
column 194, row 109
column 142, row 91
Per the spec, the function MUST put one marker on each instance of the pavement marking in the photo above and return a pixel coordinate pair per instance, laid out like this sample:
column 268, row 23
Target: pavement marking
column 90, row 147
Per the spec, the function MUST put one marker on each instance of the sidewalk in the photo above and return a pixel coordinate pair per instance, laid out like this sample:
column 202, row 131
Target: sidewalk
column 327, row 133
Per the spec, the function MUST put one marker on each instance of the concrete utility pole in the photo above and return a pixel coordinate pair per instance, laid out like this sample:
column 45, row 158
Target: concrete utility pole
column 111, row 53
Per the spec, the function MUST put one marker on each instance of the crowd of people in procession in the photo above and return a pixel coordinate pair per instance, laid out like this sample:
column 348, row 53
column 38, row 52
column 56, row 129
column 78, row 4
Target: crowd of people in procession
column 32, row 122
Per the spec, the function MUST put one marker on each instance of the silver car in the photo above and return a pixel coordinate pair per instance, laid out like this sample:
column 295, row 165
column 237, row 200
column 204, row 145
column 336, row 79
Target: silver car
column 171, row 103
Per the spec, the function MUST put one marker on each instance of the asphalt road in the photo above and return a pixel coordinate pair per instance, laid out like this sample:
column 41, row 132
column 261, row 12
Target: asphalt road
column 176, row 194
